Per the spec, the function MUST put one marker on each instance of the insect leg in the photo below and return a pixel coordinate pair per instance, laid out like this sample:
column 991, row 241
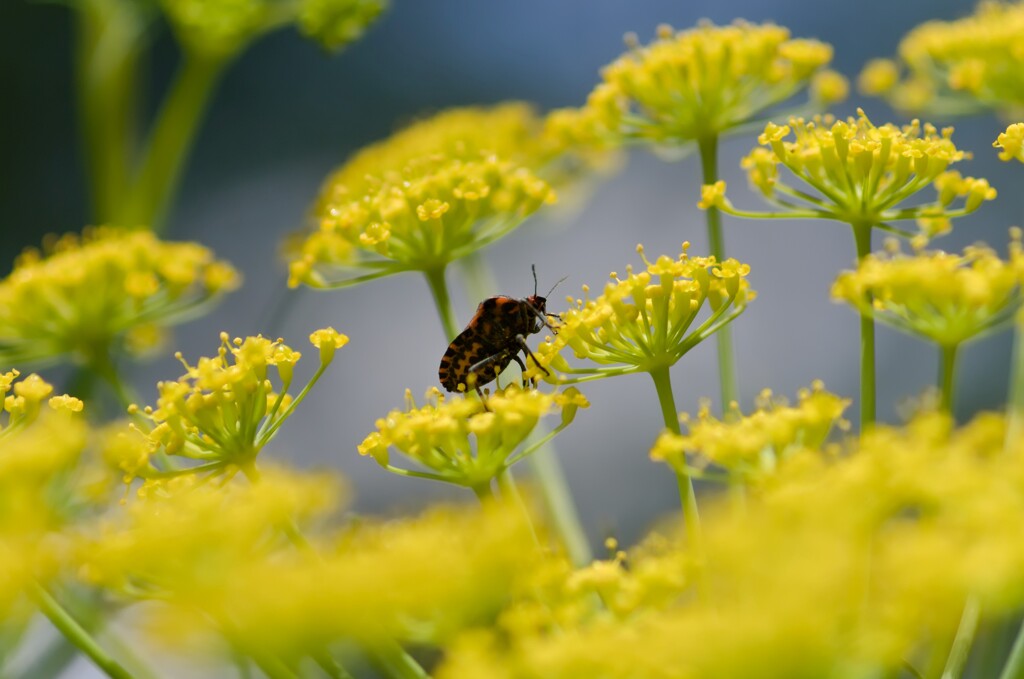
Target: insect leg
column 475, row 369
column 521, row 341
column 522, row 366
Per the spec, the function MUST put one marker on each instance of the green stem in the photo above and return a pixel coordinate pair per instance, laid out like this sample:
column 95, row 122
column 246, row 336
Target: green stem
column 171, row 139
column 103, row 366
column 478, row 275
column 510, row 494
column 394, row 662
column 1015, row 405
column 1014, row 668
column 544, row 464
column 947, row 371
column 331, row 667
column 862, row 238
column 273, row 667
column 439, row 289
column 726, row 364
column 687, row 496
column 558, row 500
column 961, row 647
column 483, row 492
column 110, row 37
column 76, row 634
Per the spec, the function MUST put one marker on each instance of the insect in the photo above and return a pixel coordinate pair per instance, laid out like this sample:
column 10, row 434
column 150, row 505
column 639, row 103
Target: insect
column 493, row 339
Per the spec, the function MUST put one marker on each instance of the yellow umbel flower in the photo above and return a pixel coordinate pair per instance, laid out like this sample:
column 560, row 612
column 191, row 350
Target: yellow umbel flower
column 943, row 297
column 855, row 565
column 749, row 446
column 427, row 196
column 86, row 294
column 222, row 412
column 700, row 83
column 956, row 67
column 858, row 173
column 646, row 320
column 1011, row 142
column 463, row 441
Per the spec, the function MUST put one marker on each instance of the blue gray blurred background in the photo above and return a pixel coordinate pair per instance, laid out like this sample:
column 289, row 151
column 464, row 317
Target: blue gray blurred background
column 286, row 114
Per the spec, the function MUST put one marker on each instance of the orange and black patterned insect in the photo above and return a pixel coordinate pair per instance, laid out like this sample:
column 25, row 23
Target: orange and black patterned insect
column 493, row 339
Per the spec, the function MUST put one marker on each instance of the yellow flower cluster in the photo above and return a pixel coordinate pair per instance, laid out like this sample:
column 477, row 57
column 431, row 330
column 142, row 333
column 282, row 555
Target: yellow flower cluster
column 750, row 446
column 1011, row 142
column 217, row 562
column 956, row 67
column 861, row 174
column 221, row 412
column 430, row 194
column 40, row 484
column 463, row 440
column 838, row 567
column 644, row 321
column 22, row 401
column 85, row 293
column 702, row 82
column 946, row 298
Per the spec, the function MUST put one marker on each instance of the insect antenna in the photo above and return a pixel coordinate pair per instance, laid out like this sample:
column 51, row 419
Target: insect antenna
column 533, row 268
column 561, row 280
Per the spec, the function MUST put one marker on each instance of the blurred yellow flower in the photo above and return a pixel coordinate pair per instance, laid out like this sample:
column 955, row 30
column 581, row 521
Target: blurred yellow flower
column 750, row 446
column 700, row 83
column 219, row 29
column 943, row 297
column 854, row 565
column 84, row 295
column 430, row 194
column 43, row 486
column 216, row 564
column 956, row 67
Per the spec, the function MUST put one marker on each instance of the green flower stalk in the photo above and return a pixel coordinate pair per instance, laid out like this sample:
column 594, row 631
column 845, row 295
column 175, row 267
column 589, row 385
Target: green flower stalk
column 948, row 299
column 645, row 323
column 455, row 440
column 86, row 299
column 217, row 417
column 694, row 86
column 134, row 183
column 854, row 172
column 967, row 66
column 750, row 447
column 424, row 198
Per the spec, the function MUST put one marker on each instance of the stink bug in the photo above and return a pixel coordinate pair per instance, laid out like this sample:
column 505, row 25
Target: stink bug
column 493, row 339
